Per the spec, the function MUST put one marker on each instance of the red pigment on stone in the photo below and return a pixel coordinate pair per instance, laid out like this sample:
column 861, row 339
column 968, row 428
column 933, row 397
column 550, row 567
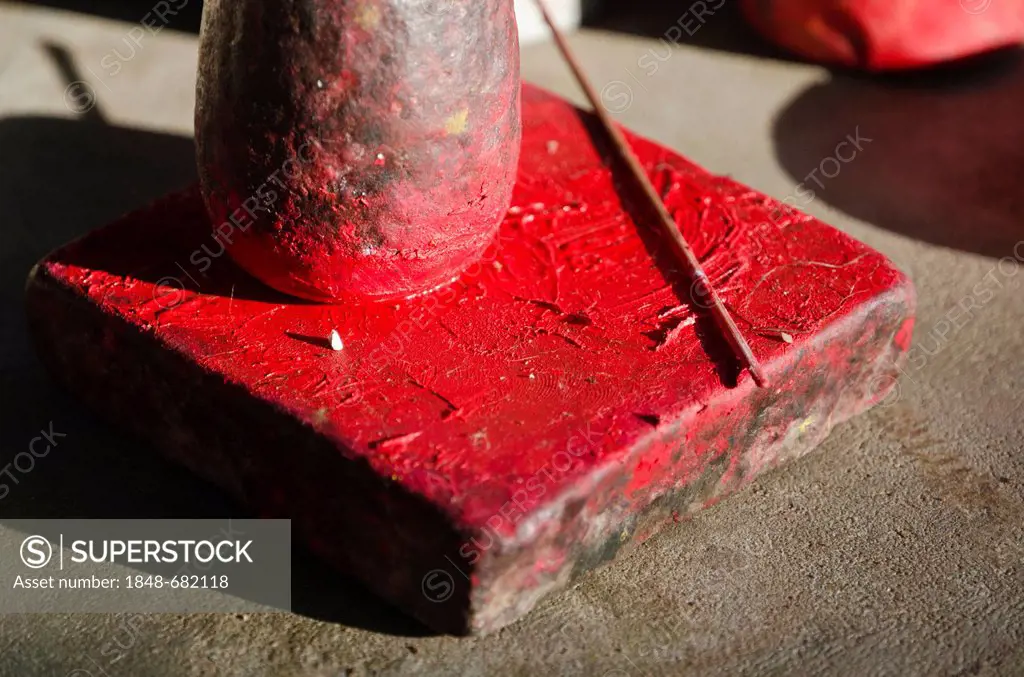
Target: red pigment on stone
column 559, row 402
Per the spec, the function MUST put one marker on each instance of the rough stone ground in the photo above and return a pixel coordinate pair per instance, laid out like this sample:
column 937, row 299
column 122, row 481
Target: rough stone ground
column 897, row 548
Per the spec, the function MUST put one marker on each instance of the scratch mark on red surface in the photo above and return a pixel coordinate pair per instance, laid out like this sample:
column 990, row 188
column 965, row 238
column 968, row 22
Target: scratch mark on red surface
column 266, row 315
column 546, row 305
column 534, row 356
column 449, row 331
column 395, row 441
column 554, row 268
column 452, row 407
column 673, row 311
column 565, row 338
column 672, row 334
column 796, row 264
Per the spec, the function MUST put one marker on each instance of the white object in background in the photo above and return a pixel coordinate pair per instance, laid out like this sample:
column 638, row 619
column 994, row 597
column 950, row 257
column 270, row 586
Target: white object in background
column 566, row 13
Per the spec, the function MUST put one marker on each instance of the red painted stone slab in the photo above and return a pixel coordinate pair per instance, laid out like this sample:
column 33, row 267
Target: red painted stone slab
column 469, row 451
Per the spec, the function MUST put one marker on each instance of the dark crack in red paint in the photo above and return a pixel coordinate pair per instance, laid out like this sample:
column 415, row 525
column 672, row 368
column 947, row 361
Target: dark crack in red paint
column 557, row 403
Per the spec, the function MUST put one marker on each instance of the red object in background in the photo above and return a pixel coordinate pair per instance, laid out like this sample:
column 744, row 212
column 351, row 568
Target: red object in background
column 879, row 35
column 356, row 148
column 471, row 450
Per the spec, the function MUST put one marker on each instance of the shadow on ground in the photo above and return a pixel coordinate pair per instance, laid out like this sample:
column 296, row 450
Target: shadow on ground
column 946, row 156
column 698, row 24
column 177, row 15
column 945, row 160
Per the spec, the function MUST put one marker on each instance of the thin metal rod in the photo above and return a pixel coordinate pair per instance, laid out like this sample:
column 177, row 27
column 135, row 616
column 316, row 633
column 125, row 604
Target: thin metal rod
column 719, row 312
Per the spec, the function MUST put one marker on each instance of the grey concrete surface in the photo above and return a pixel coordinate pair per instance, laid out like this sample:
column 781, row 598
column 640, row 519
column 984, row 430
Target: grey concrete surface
column 895, row 549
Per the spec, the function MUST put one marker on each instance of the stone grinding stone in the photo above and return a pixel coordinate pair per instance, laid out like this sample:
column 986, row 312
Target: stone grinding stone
column 472, row 450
